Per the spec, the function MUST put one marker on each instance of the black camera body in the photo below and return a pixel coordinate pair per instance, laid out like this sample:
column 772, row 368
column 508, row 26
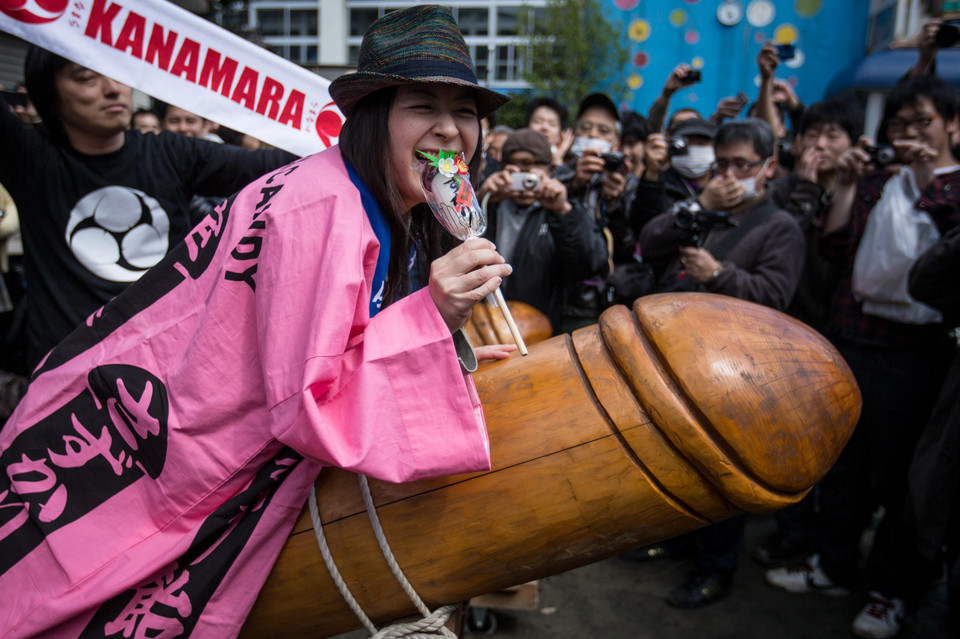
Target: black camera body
column 698, row 221
column 678, row 146
column 948, row 34
column 693, row 75
column 613, row 161
column 882, row 154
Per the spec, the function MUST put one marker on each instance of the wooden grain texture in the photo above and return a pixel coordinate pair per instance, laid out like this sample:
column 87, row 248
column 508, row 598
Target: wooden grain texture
column 690, row 409
column 488, row 326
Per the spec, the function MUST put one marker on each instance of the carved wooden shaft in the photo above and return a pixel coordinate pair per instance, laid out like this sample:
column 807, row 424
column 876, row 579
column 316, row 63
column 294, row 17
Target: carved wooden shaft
column 691, row 409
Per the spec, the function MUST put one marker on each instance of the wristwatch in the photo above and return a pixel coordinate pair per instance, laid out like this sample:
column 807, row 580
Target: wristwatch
column 717, row 272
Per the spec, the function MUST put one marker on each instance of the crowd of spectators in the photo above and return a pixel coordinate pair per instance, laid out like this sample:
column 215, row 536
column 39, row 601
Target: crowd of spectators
column 766, row 202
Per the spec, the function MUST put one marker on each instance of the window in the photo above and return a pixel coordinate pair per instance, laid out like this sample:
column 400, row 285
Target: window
column 474, row 22
column 311, row 54
column 270, row 21
column 361, row 19
column 303, row 22
column 507, row 21
column 540, row 21
column 505, row 62
column 481, row 58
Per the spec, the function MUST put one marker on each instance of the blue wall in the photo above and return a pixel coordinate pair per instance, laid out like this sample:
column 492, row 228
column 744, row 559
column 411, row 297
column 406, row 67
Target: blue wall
column 829, row 34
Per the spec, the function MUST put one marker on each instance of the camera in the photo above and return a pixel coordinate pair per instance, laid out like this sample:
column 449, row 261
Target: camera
column 612, row 161
column 525, row 181
column 693, row 76
column 698, row 221
column 882, row 155
column 677, row 146
column 948, row 34
column 786, row 51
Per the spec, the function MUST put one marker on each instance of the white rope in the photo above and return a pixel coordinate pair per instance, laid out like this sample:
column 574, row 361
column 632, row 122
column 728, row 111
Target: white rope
column 432, row 625
column 332, row 566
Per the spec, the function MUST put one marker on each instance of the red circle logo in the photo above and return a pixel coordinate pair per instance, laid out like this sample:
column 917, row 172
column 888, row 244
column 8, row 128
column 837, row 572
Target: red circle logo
column 328, row 124
column 34, row 11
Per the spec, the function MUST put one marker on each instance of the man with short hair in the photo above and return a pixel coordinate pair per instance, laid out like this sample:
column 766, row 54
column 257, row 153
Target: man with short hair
column 899, row 367
column 595, row 174
column 183, row 122
column 113, row 201
column 825, row 132
column 145, row 121
column 550, row 241
column 549, row 117
column 759, row 260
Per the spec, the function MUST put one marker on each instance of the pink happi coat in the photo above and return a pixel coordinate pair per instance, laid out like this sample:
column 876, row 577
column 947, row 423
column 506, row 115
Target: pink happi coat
column 164, row 450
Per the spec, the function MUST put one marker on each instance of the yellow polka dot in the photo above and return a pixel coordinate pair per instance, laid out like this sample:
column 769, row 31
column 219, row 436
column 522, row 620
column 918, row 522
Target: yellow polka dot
column 678, row 17
column 635, row 81
column 697, row 62
column 785, row 34
column 639, row 30
column 807, row 8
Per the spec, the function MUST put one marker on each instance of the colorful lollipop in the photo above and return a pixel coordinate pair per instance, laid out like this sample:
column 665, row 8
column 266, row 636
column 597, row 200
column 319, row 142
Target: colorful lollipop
column 446, row 183
column 445, row 179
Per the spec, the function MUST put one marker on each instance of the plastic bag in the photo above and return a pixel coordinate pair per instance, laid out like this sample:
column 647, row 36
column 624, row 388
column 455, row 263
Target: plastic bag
column 895, row 236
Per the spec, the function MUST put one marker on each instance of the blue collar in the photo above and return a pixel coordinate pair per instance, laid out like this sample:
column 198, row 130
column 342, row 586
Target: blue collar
column 381, row 228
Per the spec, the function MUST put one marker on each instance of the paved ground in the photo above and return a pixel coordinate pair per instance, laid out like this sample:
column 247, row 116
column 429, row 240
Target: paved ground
column 620, row 599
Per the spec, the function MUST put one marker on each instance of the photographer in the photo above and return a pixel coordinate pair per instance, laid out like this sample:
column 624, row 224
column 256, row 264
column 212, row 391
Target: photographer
column 760, row 259
column 675, row 169
column 550, row 241
column 899, row 364
column 736, row 241
column 595, row 175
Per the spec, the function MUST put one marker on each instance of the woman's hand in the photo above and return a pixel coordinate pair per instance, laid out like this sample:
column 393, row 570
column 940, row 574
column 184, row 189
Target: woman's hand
column 463, row 277
column 492, row 352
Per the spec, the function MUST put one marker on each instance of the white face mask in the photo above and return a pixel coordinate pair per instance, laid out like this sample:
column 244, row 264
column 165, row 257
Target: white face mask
column 695, row 163
column 583, row 144
column 750, row 184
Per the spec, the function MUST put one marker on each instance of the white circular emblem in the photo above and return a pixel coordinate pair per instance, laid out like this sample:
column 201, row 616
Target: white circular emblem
column 729, row 12
column 760, row 13
column 117, row 233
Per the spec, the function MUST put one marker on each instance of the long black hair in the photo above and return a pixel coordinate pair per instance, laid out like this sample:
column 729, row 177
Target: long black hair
column 40, row 72
column 365, row 143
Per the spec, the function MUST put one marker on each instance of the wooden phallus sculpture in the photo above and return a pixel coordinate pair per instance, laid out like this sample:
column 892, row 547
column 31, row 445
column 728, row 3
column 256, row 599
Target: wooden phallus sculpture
column 691, row 409
column 487, row 325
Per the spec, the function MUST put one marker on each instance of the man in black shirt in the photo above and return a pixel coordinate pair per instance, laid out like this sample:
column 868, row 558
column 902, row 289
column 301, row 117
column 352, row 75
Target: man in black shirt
column 100, row 204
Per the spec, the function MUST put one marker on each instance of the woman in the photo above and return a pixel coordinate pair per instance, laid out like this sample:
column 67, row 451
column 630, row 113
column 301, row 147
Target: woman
column 158, row 462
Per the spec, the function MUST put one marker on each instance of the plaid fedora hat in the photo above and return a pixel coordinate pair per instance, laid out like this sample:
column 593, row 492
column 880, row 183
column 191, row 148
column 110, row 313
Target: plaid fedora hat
column 418, row 44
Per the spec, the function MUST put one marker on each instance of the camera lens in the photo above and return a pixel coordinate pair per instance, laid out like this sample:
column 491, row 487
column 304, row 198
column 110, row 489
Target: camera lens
column 678, row 146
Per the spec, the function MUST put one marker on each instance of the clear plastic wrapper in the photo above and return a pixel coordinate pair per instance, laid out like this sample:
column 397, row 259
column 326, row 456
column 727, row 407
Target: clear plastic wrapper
column 445, row 180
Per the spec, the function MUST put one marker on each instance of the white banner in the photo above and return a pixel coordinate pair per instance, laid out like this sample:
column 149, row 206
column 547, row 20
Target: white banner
column 180, row 58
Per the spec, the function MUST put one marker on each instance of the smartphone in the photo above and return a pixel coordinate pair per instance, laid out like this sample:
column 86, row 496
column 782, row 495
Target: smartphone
column 786, row 51
column 742, row 98
column 14, row 98
column 693, row 75
column 525, row 181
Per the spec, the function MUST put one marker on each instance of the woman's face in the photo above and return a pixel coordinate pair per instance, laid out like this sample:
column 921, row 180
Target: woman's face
column 429, row 117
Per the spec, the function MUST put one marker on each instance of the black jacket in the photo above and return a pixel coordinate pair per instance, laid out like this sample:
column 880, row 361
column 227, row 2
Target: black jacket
column 552, row 252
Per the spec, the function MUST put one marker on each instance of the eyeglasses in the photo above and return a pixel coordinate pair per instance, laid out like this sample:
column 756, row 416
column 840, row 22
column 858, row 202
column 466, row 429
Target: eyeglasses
column 896, row 125
column 739, row 165
column 583, row 128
